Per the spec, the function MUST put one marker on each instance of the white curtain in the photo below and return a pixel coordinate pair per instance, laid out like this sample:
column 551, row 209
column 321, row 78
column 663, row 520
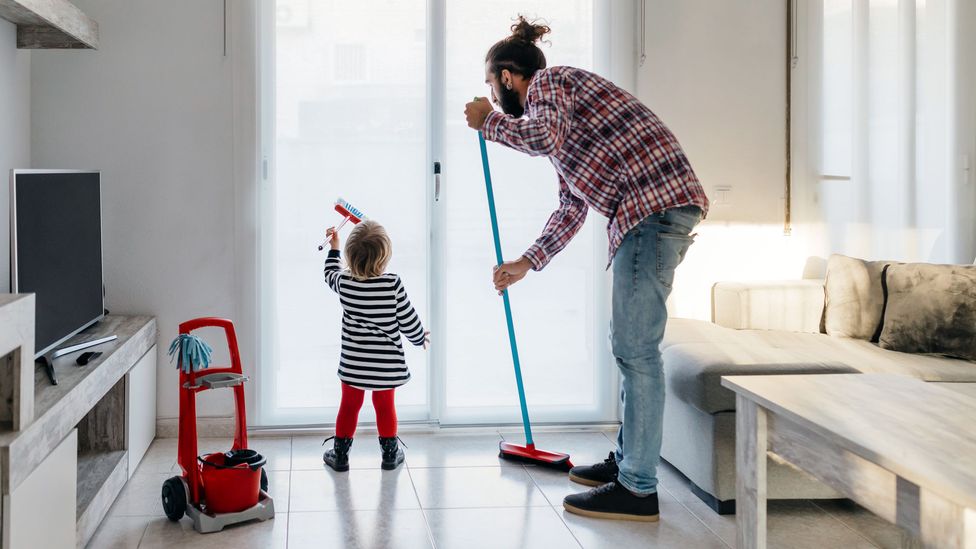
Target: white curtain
column 883, row 114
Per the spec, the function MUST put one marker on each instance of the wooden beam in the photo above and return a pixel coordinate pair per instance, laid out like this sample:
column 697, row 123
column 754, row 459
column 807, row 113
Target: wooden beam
column 50, row 24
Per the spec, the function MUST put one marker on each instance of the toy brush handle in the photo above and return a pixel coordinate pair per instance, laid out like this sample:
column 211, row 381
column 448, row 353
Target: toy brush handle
column 329, row 234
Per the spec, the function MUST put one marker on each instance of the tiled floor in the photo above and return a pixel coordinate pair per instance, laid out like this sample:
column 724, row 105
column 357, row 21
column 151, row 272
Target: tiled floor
column 456, row 493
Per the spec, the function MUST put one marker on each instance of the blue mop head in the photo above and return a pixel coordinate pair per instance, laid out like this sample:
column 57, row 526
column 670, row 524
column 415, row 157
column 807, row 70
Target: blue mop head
column 192, row 351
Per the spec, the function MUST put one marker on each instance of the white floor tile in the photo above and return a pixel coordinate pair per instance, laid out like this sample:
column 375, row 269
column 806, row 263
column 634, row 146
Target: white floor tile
column 279, row 483
column 119, row 533
column 676, row 529
column 391, row 528
column 160, row 457
column 499, row 527
column 454, row 450
column 358, row 489
column 470, row 498
column 270, row 534
column 276, row 449
column 456, row 487
column 877, row 530
column 141, row 496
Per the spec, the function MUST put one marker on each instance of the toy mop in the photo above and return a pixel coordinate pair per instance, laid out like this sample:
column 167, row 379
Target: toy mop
column 349, row 213
column 507, row 450
column 219, row 489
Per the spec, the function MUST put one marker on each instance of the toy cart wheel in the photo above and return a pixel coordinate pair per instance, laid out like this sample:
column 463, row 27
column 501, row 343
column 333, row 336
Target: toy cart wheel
column 264, row 480
column 174, row 498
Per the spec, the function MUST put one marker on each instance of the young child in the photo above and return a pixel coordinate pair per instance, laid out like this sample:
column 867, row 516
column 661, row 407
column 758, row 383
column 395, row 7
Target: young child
column 375, row 310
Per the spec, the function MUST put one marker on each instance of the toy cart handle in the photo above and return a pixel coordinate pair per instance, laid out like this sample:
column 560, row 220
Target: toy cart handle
column 229, row 332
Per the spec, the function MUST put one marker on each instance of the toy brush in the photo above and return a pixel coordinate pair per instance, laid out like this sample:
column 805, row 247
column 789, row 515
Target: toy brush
column 348, row 213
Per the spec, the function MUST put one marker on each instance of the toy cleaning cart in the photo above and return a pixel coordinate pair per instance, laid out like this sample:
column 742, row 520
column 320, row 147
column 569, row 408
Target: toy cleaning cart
column 218, row 489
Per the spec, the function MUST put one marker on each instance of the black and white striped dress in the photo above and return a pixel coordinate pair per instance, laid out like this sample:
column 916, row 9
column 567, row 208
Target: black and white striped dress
column 374, row 313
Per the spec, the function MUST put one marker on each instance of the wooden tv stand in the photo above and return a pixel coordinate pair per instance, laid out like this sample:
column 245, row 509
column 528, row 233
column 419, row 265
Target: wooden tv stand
column 67, row 450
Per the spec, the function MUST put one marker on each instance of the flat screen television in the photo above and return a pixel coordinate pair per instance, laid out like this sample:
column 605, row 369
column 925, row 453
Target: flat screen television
column 56, row 250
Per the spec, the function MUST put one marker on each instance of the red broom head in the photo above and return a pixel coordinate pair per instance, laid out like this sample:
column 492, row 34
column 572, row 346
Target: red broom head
column 530, row 454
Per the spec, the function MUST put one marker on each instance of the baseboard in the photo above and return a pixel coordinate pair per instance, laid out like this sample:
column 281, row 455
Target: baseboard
column 726, row 507
column 207, row 427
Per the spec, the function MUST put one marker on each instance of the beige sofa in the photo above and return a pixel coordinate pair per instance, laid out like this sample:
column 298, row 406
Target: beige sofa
column 762, row 328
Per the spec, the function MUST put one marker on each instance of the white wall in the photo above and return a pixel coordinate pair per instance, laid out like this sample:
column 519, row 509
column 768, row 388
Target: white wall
column 715, row 73
column 965, row 131
column 152, row 108
column 14, row 130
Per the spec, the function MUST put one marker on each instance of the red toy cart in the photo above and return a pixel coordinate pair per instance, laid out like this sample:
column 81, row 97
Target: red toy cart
column 218, row 489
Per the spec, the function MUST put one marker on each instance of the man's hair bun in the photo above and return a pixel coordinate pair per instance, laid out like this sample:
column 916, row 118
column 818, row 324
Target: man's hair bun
column 530, row 32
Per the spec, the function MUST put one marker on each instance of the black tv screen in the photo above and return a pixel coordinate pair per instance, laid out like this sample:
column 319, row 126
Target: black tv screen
column 56, row 250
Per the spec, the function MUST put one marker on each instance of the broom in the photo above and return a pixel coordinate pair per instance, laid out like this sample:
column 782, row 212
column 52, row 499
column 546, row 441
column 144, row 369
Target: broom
column 527, row 453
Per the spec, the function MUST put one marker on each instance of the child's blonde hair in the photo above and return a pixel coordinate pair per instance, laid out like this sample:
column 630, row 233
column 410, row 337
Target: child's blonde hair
column 368, row 250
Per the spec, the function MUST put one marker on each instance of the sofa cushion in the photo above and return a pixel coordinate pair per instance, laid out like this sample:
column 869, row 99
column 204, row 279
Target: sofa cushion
column 697, row 354
column 854, row 297
column 931, row 309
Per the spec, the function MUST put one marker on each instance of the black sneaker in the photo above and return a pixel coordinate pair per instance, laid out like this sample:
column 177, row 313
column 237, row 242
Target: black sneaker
column 613, row 501
column 392, row 454
column 595, row 475
column 338, row 456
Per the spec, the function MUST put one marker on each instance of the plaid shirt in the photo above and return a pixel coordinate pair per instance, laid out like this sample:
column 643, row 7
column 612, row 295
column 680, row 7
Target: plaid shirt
column 611, row 153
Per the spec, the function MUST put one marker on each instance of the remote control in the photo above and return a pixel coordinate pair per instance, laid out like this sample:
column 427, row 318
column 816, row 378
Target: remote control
column 87, row 357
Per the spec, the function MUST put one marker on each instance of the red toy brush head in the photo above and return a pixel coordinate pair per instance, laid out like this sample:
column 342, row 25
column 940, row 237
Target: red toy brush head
column 349, row 211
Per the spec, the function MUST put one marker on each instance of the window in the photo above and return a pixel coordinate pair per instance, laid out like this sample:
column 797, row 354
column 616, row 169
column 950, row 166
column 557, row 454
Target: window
column 363, row 115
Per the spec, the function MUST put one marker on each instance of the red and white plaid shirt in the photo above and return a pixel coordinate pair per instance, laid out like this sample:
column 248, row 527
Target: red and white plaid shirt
column 610, row 151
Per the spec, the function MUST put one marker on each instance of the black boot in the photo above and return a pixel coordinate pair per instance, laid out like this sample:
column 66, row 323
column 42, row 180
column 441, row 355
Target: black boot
column 338, row 456
column 392, row 454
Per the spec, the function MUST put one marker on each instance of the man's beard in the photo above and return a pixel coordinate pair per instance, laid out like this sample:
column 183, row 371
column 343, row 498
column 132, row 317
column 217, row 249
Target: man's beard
column 510, row 103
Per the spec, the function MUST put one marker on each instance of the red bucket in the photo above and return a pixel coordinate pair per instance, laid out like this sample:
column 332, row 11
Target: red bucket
column 229, row 485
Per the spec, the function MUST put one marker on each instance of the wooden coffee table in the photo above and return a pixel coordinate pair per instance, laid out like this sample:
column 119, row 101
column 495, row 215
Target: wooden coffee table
column 902, row 448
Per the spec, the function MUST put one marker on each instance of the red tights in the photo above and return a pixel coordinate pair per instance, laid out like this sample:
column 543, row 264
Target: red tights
column 352, row 401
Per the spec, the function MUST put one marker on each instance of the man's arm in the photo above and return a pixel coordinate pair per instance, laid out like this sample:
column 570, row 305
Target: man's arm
column 562, row 226
column 546, row 124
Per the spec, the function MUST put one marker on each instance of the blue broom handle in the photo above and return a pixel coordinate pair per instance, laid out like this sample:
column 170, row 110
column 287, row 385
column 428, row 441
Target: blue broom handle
column 508, row 306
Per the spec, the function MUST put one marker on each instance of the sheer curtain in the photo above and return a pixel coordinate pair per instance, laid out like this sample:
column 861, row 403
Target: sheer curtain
column 882, row 132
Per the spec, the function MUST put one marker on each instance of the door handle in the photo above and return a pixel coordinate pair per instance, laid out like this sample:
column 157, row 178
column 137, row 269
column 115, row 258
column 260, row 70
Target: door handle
column 437, row 181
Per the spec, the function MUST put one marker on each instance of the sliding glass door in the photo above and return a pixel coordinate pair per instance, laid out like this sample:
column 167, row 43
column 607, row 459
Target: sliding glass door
column 349, row 103
column 554, row 310
column 361, row 99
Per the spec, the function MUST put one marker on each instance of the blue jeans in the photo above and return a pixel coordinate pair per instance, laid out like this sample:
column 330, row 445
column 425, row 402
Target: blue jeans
column 643, row 271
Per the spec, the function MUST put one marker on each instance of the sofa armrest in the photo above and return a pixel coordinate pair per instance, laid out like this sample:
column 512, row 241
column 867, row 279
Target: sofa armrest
column 793, row 305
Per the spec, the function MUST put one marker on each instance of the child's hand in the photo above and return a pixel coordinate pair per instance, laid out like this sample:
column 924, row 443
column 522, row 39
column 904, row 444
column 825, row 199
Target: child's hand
column 333, row 235
column 426, row 339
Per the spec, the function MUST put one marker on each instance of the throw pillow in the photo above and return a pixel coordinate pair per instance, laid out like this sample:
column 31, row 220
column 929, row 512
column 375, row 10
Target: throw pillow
column 854, row 298
column 931, row 309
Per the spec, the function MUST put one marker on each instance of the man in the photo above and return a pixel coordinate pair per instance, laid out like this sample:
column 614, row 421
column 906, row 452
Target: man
column 614, row 155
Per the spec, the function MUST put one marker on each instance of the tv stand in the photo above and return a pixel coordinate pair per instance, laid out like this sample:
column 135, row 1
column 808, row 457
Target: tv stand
column 67, row 450
column 48, row 359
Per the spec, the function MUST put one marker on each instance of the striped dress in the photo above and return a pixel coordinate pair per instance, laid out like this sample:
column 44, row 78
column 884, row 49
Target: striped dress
column 374, row 313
